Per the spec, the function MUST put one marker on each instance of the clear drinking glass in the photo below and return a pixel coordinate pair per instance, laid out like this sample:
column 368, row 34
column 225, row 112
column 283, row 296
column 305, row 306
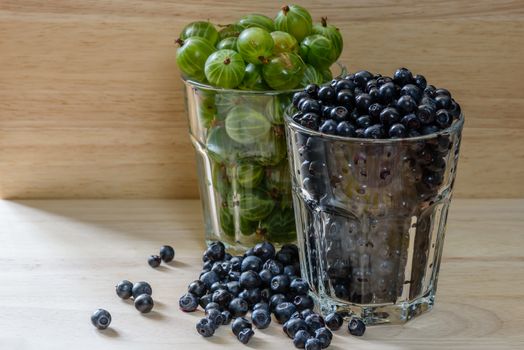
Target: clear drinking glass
column 371, row 218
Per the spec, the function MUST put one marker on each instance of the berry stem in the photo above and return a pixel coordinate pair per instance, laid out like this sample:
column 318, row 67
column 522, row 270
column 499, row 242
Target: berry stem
column 285, row 9
column 227, row 60
column 323, row 21
column 263, row 59
column 179, row 41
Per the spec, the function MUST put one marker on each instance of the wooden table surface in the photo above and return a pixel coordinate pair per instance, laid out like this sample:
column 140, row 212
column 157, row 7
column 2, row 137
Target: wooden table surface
column 60, row 260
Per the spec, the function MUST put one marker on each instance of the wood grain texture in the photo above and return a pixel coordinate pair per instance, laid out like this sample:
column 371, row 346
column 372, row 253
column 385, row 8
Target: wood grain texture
column 61, row 259
column 91, row 104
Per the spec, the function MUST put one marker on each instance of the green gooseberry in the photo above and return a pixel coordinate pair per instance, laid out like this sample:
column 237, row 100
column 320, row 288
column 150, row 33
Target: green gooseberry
column 255, row 45
column 332, row 33
column 318, row 50
column 253, row 204
column 284, row 42
column 205, row 107
column 278, row 179
column 248, row 174
column 248, row 227
column 230, row 30
column 225, row 101
column 202, row 29
column 245, row 125
column 295, row 20
column 220, row 180
column 257, row 20
column 229, row 43
column 221, row 148
column 311, row 76
column 326, row 75
column 284, row 72
column 191, row 57
column 272, row 149
column 253, row 79
column 225, row 68
column 227, row 222
column 279, row 226
column 276, row 107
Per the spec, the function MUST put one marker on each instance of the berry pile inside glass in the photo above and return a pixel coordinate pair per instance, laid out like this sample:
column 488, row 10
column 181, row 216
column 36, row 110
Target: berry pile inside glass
column 373, row 162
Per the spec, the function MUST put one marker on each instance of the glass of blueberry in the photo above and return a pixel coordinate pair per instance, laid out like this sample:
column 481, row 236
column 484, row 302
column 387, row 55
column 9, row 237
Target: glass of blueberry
column 373, row 162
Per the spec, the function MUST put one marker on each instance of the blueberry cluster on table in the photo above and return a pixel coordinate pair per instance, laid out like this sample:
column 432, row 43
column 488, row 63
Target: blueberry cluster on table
column 262, row 282
column 373, row 106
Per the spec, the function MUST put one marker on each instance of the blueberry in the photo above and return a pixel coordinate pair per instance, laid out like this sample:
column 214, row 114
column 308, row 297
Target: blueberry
column 387, row 92
column 276, row 299
column 303, row 302
column 297, row 116
column 206, row 327
column 167, row 253
column 197, row 288
column 374, row 132
column 345, row 98
column 249, row 279
column 264, row 251
column 216, row 316
column 362, row 77
column 443, row 119
column 455, row 109
column 411, row 90
column 441, row 91
column 374, row 111
column 299, row 286
column 426, row 114
column 325, row 336
column 238, row 307
column 402, row 76
column 222, row 297
column 140, row 288
column 326, row 94
column 410, row 121
column 370, row 84
column 207, row 266
column 280, row 283
column 329, row 126
column 429, row 129
column 290, row 270
column 286, row 256
column 211, row 305
column 252, row 296
column 413, row 133
column 216, row 286
column 215, row 251
column 443, row 101
column 144, row 303
column 239, row 324
column 356, row 327
column 291, row 249
column 363, row 121
column 236, row 263
column 362, row 102
column 265, row 294
column 315, row 321
column 245, row 335
column 205, row 300
column 406, row 104
column 344, row 84
column 299, row 96
column 345, row 129
column 313, row 344
column 338, row 113
column 305, row 313
column 124, row 289
column 261, row 305
column 219, row 269
column 101, row 319
column 293, row 325
column 326, row 111
column 383, row 80
column 226, row 317
column 188, row 302
column 310, row 121
column 227, row 257
column 234, row 275
column 261, row 318
column 389, row 116
column 432, row 179
column 312, row 90
column 309, row 105
column 283, row 311
column 276, row 267
column 334, row 321
column 154, row 261
column 209, row 278
column 234, row 287
column 300, row 339
column 397, row 131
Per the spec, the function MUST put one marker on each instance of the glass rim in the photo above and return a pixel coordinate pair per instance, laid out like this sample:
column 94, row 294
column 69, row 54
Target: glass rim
column 196, row 84
column 452, row 129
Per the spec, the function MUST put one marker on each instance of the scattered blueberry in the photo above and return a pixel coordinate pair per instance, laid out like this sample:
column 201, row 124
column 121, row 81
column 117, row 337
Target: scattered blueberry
column 140, row 288
column 216, row 316
column 238, row 307
column 324, row 336
column 144, row 303
column 239, row 324
column 245, row 335
column 315, row 321
column 188, row 302
column 283, row 311
column 313, row 344
column 154, row 261
column 300, row 339
column 205, row 327
column 356, row 327
column 124, row 289
column 261, row 318
column 101, row 319
column 334, row 321
column 167, row 253
column 293, row 325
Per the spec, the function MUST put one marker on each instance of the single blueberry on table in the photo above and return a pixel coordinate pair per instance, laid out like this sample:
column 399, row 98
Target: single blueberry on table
column 293, row 325
column 283, row 311
column 188, row 302
column 239, row 324
column 313, row 344
column 356, row 327
column 238, row 307
column 167, row 253
column 245, row 335
column 144, row 303
column 154, row 261
column 124, row 289
column 205, row 327
column 140, row 288
column 261, row 318
column 334, row 321
column 300, row 339
column 101, row 319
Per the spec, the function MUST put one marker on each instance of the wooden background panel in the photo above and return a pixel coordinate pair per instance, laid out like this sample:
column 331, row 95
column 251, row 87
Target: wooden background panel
column 91, row 104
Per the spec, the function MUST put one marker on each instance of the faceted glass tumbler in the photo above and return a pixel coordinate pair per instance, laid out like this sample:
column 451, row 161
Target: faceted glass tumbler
column 242, row 165
column 371, row 218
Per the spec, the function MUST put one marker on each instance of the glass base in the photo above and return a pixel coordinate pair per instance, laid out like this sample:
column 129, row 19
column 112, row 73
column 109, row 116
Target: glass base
column 374, row 314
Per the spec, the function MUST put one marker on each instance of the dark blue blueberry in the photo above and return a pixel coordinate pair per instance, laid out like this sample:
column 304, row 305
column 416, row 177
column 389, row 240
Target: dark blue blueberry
column 345, row 84
column 325, row 336
column 197, row 288
column 309, row 105
column 215, row 315
column 253, row 263
column 252, row 296
column 389, row 116
column 167, row 253
column 410, row 121
column 227, row 257
column 291, row 249
column 353, row 116
column 299, row 96
column 264, row 250
column 455, row 110
column 326, row 94
column 265, row 294
column 310, row 121
column 406, row 104
column 297, row 116
column 211, row 305
column 296, row 314
column 443, row 102
column 374, row 111
column 315, row 321
column 215, row 251
column 429, row 129
column 290, row 270
column 222, row 297
column 345, row 98
column 430, row 90
column 334, row 321
column 188, row 302
column 359, row 133
column 402, row 76
column 140, row 288
column 312, row 90
column 345, row 129
column 262, row 305
column 239, row 324
column 207, row 266
column 274, row 266
column 356, row 327
column 234, row 287
column 283, row 311
column 303, row 301
column 293, row 325
column 265, row 277
column 383, row 80
column 374, row 94
column 397, row 131
column 413, row 133
column 144, row 303
column 218, row 268
column 101, row 319
column 313, row 344
column 371, row 84
column 362, row 77
column 238, row 307
column 426, row 114
column 363, row 121
column 305, row 313
column 443, row 118
column 329, row 126
column 236, row 263
column 301, row 338
column 280, row 283
column 374, row 132
column 261, row 318
column 226, row 317
column 276, row 299
column 124, row 289
column 249, row 252
column 338, row 113
column 205, row 327
column 432, row 179
column 209, row 278
column 411, row 90
column 362, row 102
column 420, row 81
column 234, row 275
column 326, row 111
column 249, row 279
column 286, row 256
column 441, row 91
column 245, row 335
column 387, row 92
column 205, row 300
